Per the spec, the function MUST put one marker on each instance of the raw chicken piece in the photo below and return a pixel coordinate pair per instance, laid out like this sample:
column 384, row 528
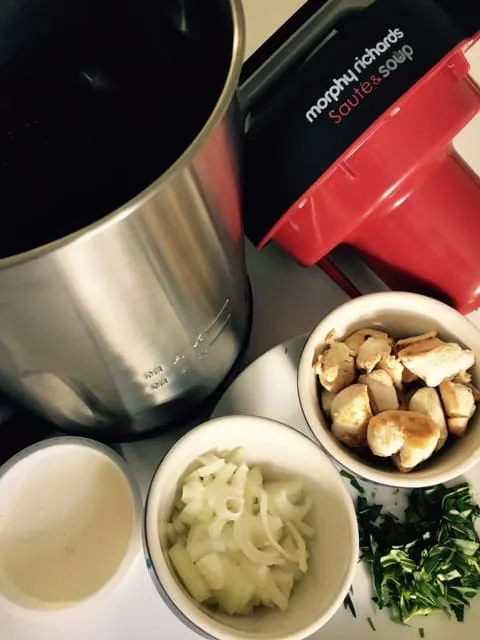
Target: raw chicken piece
column 406, row 342
column 397, row 462
column 381, row 390
column 330, row 337
column 350, row 415
column 394, row 368
column 335, row 367
column 465, row 377
column 426, row 401
column 372, row 351
column 327, row 398
column 474, row 390
column 434, row 361
column 356, row 339
column 411, row 435
column 459, row 403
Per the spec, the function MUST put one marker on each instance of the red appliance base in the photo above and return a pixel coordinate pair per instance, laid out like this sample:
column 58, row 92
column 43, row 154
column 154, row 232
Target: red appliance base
column 401, row 195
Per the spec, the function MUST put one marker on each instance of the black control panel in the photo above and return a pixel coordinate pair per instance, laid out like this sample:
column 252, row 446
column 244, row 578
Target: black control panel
column 374, row 58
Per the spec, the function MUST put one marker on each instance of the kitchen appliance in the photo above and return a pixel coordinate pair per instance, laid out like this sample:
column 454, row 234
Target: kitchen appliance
column 124, row 300
column 357, row 147
column 288, row 300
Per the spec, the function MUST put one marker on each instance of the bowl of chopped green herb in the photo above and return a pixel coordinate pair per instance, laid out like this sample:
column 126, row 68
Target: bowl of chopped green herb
column 388, row 386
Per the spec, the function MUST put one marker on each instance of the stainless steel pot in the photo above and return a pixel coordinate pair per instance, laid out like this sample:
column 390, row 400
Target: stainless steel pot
column 130, row 321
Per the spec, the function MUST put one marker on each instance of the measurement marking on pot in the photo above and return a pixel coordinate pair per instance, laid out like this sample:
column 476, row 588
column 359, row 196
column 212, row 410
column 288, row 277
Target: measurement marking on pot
column 159, row 384
column 152, row 373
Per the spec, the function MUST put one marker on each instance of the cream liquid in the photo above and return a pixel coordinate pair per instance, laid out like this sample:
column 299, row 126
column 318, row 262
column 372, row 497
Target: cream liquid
column 66, row 522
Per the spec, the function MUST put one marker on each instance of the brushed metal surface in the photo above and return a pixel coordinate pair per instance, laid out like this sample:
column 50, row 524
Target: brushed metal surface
column 131, row 322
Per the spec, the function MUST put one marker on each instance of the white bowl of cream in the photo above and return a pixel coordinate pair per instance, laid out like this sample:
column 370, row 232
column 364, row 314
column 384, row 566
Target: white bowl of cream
column 69, row 523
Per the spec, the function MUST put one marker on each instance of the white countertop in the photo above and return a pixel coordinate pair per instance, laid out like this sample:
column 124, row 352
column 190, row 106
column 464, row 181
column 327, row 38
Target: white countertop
column 264, row 17
column 288, row 300
column 467, row 142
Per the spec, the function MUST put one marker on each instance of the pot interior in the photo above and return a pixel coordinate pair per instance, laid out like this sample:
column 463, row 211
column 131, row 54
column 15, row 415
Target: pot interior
column 97, row 99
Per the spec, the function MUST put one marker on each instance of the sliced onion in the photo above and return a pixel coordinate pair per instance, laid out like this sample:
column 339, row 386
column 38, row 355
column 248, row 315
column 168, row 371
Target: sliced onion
column 290, row 511
column 225, row 501
column 236, row 456
column 208, row 458
column 275, row 594
column 302, row 548
column 292, row 488
column 305, row 529
column 237, row 539
column 193, row 491
column 211, row 468
column 225, row 474
column 191, row 511
column 241, row 534
column 188, row 572
column 216, row 527
column 255, row 478
column 202, row 544
column 178, row 525
column 212, row 569
column 206, row 514
column 239, row 479
column 268, row 531
column 284, row 581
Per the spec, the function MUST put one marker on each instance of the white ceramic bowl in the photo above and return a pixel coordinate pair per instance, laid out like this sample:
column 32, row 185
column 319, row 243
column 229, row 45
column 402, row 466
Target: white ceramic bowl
column 333, row 553
column 70, row 524
column 401, row 315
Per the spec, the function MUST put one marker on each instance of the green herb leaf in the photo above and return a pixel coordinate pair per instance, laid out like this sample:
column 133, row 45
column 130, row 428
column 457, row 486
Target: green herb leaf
column 430, row 560
column 348, row 604
column 353, row 481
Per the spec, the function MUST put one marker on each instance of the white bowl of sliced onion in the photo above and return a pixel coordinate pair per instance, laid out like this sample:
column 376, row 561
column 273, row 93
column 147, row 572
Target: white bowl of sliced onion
column 250, row 531
column 388, row 384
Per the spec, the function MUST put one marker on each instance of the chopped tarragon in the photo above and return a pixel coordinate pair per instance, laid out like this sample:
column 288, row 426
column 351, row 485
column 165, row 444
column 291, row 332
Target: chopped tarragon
column 429, row 560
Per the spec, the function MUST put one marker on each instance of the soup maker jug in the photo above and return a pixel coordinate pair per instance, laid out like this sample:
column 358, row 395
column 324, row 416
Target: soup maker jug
column 124, row 298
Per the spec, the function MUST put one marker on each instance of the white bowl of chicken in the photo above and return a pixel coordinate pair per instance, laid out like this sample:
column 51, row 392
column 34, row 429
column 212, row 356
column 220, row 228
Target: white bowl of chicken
column 387, row 384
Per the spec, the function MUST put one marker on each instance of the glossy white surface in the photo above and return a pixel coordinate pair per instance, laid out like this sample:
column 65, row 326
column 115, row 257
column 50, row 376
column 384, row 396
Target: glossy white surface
column 264, row 17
